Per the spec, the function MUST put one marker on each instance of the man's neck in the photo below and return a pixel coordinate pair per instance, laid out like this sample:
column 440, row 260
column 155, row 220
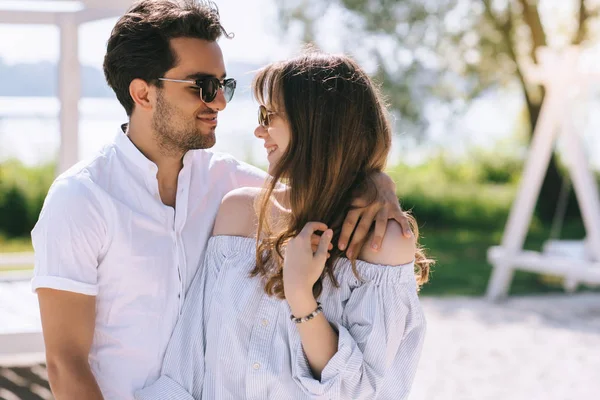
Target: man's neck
column 169, row 165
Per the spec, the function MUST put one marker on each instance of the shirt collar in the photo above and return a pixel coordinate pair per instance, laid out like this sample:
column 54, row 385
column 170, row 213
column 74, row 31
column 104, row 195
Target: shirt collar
column 126, row 146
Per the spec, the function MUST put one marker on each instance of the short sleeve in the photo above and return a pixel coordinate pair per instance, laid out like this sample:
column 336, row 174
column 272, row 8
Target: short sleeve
column 246, row 175
column 68, row 238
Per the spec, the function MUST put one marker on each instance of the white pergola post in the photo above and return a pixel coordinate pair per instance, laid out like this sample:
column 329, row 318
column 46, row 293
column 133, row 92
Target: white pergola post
column 68, row 15
column 69, row 92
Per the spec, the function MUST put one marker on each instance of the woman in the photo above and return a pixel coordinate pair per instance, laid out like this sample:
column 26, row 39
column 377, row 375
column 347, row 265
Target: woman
column 277, row 312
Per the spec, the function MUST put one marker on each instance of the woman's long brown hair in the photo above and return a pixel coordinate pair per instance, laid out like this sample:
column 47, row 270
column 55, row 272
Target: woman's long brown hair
column 340, row 135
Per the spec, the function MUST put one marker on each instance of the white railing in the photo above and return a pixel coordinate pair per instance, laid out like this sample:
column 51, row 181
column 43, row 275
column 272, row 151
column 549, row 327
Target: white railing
column 16, row 266
column 16, row 259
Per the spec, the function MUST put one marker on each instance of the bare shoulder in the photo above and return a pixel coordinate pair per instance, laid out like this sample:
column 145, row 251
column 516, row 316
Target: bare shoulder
column 396, row 249
column 236, row 215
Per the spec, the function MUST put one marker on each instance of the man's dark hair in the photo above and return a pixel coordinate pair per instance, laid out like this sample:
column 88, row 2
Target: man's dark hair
column 139, row 47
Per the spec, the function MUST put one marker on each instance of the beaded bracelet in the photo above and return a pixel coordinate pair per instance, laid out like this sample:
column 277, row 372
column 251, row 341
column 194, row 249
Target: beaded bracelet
column 310, row 316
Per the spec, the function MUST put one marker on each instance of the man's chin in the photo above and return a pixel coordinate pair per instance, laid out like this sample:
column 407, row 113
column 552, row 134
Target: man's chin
column 204, row 141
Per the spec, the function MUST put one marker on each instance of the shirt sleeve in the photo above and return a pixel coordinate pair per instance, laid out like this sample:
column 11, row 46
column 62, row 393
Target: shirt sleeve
column 380, row 341
column 246, row 175
column 182, row 374
column 68, row 239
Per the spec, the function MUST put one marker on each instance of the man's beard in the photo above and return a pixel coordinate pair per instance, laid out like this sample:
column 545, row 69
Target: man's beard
column 174, row 133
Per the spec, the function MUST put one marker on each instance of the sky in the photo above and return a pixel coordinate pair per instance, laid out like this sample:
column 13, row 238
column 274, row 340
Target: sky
column 257, row 39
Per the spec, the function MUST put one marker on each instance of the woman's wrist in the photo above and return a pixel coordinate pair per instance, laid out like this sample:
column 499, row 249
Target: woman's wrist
column 301, row 303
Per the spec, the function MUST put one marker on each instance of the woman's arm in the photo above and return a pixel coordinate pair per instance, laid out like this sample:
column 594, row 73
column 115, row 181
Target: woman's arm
column 319, row 339
column 301, row 270
column 351, row 361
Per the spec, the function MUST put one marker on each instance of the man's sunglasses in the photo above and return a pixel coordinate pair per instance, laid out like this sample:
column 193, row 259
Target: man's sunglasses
column 209, row 86
column 264, row 116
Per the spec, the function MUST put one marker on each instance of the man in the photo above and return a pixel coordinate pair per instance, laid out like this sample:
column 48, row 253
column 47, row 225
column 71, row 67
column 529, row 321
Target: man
column 121, row 236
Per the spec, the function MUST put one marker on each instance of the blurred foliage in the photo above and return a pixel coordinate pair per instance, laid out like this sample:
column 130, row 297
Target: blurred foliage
column 427, row 52
column 469, row 192
column 450, row 50
column 461, row 207
column 22, row 193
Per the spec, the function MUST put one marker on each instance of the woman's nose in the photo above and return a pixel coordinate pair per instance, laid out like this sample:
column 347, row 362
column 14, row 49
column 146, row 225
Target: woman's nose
column 260, row 131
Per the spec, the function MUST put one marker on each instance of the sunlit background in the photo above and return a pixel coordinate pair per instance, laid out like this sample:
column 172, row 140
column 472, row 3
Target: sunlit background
column 460, row 78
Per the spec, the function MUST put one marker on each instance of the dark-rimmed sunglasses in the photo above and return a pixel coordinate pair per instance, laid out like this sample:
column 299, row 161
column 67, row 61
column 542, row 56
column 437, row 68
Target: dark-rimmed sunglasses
column 264, row 116
column 209, row 86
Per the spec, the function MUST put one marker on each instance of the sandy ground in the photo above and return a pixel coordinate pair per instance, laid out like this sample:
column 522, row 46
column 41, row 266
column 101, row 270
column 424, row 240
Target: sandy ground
column 535, row 347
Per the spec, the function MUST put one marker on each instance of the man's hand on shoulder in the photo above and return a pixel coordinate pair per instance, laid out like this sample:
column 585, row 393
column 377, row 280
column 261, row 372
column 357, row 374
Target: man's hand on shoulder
column 359, row 220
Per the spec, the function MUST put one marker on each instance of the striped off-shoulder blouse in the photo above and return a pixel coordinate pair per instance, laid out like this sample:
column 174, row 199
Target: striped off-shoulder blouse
column 233, row 341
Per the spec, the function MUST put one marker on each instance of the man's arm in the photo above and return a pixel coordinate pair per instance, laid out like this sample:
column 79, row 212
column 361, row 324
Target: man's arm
column 245, row 175
column 68, row 240
column 68, row 321
column 357, row 223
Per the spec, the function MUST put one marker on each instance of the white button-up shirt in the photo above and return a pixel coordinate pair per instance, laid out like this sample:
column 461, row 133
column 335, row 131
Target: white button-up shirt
column 104, row 232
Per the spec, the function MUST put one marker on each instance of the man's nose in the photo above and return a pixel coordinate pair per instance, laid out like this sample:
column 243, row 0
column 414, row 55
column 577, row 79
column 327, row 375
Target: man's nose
column 218, row 103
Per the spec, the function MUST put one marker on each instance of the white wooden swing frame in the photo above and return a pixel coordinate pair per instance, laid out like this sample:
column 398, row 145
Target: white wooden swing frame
column 576, row 261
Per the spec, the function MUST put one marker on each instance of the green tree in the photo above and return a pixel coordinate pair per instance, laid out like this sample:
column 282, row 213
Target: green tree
column 451, row 50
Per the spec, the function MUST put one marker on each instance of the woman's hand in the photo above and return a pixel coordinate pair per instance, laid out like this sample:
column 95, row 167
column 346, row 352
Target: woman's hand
column 303, row 266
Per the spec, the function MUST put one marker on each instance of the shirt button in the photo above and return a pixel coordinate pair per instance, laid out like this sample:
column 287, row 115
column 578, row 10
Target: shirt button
column 264, row 322
column 256, row 365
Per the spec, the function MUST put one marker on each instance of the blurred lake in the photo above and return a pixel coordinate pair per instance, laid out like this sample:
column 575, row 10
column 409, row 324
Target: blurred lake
column 29, row 129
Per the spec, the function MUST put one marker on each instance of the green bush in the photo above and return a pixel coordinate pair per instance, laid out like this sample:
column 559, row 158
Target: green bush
column 444, row 194
column 22, row 193
column 14, row 214
column 476, row 191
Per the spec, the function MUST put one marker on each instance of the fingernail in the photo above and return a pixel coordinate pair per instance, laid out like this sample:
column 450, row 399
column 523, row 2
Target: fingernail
column 342, row 246
column 329, row 233
column 374, row 246
column 349, row 254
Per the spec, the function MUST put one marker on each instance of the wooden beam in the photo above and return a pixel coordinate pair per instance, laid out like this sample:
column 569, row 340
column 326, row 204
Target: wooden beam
column 90, row 14
column 29, row 17
column 69, row 90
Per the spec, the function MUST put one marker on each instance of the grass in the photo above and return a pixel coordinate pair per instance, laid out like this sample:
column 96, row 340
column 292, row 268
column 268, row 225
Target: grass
column 14, row 245
column 460, row 253
column 461, row 260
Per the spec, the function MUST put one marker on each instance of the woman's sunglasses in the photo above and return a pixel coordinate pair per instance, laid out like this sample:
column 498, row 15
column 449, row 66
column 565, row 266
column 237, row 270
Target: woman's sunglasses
column 264, row 116
column 209, row 86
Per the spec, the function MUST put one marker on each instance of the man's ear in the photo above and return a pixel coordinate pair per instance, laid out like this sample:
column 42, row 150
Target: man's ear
column 142, row 93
